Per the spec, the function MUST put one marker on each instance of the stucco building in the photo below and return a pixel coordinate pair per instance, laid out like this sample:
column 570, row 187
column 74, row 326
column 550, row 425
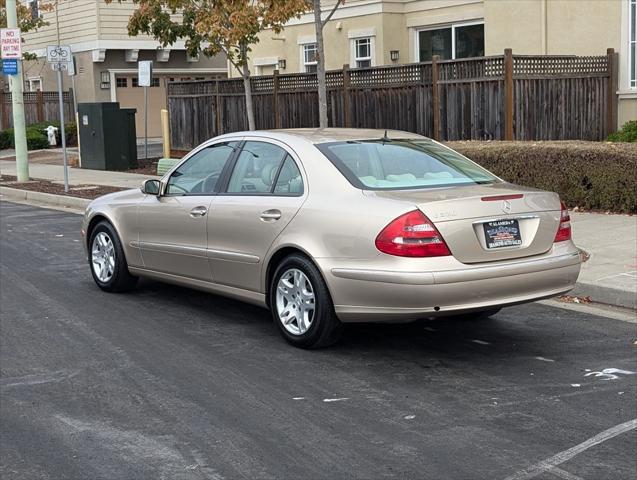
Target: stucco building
column 383, row 32
column 106, row 58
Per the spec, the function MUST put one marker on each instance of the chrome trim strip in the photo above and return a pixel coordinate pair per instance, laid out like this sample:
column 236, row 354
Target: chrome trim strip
column 232, row 256
column 460, row 275
column 505, row 217
column 169, row 248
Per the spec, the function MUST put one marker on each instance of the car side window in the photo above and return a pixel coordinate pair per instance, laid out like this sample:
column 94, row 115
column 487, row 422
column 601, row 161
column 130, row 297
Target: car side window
column 199, row 175
column 256, row 167
column 289, row 181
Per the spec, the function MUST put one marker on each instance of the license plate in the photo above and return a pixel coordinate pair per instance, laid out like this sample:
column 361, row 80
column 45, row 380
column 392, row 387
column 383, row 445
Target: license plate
column 502, row 233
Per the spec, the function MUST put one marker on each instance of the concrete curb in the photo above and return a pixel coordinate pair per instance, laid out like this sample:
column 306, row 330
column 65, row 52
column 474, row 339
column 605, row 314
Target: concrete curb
column 608, row 296
column 64, row 201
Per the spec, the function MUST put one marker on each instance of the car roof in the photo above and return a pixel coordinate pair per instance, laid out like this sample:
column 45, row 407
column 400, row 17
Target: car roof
column 324, row 135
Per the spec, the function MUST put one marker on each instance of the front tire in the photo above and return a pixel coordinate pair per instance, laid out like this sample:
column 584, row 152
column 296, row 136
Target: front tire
column 301, row 304
column 107, row 261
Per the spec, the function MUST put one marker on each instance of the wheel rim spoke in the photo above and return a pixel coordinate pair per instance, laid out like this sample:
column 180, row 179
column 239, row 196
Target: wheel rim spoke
column 103, row 257
column 295, row 301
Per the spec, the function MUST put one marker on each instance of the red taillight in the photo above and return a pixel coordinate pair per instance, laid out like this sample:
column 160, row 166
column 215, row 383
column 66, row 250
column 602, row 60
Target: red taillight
column 564, row 230
column 412, row 235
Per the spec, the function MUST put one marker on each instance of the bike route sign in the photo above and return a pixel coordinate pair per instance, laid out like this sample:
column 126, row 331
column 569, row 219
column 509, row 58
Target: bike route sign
column 58, row 56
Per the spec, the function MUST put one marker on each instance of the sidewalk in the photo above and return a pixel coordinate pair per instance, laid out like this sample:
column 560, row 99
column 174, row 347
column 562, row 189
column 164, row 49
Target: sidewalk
column 609, row 276
column 77, row 176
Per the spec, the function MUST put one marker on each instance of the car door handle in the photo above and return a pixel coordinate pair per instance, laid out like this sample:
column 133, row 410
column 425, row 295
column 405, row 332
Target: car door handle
column 198, row 212
column 271, row 215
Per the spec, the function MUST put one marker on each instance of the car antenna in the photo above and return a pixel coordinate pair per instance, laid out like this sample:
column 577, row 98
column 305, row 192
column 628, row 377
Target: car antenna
column 385, row 138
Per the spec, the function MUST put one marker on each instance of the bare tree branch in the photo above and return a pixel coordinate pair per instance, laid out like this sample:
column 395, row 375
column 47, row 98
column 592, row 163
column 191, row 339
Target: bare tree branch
column 327, row 19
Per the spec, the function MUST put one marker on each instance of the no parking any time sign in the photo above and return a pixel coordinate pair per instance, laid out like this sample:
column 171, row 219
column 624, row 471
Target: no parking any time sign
column 10, row 43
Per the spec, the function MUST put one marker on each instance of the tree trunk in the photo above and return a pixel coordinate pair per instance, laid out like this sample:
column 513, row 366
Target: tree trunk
column 245, row 74
column 320, row 66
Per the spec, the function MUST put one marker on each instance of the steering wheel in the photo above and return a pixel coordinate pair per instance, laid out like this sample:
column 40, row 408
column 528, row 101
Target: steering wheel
column 208, row 185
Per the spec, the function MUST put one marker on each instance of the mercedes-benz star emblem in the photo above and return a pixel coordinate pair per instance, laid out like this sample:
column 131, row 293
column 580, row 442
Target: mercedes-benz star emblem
column 506, row 206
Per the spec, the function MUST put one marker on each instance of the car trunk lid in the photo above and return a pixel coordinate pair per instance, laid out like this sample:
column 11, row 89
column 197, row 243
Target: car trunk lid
column 484, row 223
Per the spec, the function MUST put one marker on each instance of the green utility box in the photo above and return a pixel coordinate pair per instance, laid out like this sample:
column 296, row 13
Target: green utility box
column 107, row 136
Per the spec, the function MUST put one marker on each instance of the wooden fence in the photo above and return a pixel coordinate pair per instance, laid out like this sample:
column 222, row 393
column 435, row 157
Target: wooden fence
column 38, row 107
column 503, row 97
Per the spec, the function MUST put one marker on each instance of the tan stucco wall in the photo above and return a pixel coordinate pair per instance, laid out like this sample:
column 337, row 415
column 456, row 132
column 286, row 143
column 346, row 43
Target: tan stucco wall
column 626, row 111
column 552, row 27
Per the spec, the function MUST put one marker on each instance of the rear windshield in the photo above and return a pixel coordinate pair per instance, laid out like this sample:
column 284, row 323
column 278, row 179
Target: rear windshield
column 403, row 164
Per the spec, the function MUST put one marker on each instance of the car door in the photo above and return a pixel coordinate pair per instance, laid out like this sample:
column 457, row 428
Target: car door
column 173, row 230
column 263, row 193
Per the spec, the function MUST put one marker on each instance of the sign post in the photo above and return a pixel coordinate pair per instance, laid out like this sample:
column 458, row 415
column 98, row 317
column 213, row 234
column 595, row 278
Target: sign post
column 145, row 79
column 11, row 49
column 59, row 57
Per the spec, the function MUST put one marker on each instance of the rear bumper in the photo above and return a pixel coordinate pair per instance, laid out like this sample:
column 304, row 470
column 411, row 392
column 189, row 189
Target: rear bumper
column 367, row 295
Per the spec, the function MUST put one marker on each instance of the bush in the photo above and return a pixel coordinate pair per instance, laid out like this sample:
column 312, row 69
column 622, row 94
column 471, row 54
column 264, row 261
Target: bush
column 590, row 175
column 628, row 133
column 6, row 139
column 36, row 140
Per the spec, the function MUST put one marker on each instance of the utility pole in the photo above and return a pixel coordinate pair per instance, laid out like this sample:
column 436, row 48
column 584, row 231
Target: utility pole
column 17, row 99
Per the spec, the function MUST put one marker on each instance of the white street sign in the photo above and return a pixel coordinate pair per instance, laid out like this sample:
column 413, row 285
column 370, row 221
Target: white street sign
column 58, row 53
column 11, row 43
column 145, row 73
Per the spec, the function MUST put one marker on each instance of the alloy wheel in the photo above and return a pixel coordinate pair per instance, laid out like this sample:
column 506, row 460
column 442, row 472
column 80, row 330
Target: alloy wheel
column 295, row 301
column 103, row 257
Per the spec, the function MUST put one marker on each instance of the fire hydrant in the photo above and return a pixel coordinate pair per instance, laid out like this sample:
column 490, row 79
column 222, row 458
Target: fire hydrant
column 50, row 133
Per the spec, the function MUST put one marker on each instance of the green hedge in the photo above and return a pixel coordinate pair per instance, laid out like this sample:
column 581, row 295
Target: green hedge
column 589, row 175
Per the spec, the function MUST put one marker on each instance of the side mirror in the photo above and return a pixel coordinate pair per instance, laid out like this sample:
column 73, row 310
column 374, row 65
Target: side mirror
column 151, row 187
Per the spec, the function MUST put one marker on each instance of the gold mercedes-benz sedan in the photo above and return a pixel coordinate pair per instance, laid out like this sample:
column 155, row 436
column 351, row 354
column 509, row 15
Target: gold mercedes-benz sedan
column 327, row 226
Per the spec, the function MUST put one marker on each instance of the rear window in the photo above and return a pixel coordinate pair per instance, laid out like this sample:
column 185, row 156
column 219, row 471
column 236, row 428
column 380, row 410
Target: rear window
column 403, row 164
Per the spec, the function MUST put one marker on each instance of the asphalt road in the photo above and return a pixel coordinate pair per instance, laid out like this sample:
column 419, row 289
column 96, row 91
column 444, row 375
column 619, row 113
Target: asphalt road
column 167, row 383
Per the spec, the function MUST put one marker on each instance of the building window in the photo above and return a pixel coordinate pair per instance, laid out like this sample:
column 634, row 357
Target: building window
column 34, row 84
column 121, row 82
column 309, row 57
column 135, row 82
column 363, row 52
column 632, row 44
column 35, row 9
column 456, row 41
column 154, row 82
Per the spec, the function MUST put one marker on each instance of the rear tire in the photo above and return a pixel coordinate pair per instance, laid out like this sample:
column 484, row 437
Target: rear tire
column 301, row 305
column 473, row 316
column 107, row 261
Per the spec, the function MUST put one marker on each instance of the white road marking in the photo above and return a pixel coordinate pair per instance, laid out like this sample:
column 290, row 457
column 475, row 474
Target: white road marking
column 576, row 384
column 327, row 400
column 409, row 417
column 542, row 359
column 551, row 462
column 480, row 342
column 298, row 398
column 558, row 472
column 609, row 373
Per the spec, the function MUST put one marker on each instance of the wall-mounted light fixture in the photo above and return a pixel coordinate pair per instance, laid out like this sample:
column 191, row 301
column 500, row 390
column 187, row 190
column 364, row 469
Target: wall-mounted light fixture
column 105, row 80
column 282, row 64
column 394, row 55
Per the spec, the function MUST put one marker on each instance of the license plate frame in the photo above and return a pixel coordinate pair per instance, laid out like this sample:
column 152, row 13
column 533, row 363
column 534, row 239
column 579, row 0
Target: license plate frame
column 504, row 233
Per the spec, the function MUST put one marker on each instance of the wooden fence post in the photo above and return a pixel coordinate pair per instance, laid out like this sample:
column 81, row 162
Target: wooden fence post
column 217, row 108
column 346, row 120
column 508, row 94
column 275, row 95
column 39, row 106
column 435, row 96
column 611, row 102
